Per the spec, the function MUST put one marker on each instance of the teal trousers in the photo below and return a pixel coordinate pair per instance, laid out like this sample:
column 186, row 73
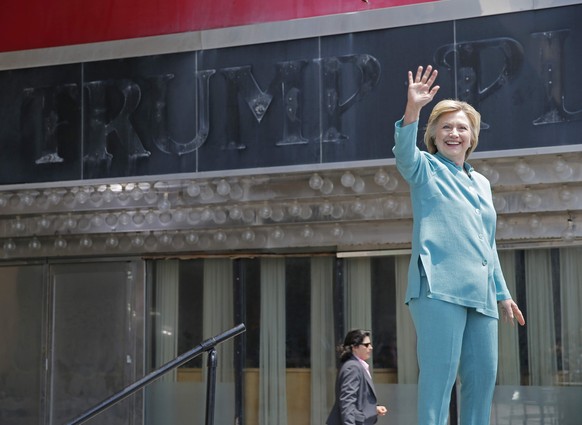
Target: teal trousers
column 451, row 340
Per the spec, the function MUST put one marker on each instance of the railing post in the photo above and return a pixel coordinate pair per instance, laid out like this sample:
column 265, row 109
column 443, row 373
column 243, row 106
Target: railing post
column 211, row 386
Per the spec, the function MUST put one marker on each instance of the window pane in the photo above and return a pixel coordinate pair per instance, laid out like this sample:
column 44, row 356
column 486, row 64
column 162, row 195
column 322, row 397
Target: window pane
column 190, row 308
column 384, row 312
column 20, row 344
column 251, row 281
column 298, row 309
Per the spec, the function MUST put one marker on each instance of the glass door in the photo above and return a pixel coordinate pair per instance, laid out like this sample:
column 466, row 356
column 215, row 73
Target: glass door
column 96, row 339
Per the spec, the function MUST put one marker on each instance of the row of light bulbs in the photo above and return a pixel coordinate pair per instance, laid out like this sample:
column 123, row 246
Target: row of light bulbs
column 160, row 215
column 171, row 240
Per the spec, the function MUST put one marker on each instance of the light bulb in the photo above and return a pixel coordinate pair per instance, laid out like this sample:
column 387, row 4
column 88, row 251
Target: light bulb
column 108, row 195
column 347, row 179
column 60, row 243
column 85, row 242
column 562, row 169
column 531, row 200
column 219, row 216
column 27, row 199
column 248, row 235
column 138, row 218
column 206, row 193
column 220, row 236
column 82, row 196
column 193, row 189
column 327, row 186
column 307, row 232
column 111, row 220
column 294, row 209
column 111, row 241
column 306, row 212
column 150, row 197
column 265, row 212
column 95, row 198
column 358, row 207
column 278, row 233
column 223, row 188
column 390, row 204
column 235, row 213
column 70, row 222
column 165, row 217
column 136, row 193
column 315, row 182
column 165, row 239
column 337, row 231
column 191, row 238
column 248, row 215
column 124, row 218
column 207, row 214
column 359, row 185
column 489, row 172
column 123, row 198
column 277, row 214
column 137, row 241
column 326, row 208
column 338, row 211
column 236, row 191
column 9, row 245
column 381, row 177
column 34, row 244
column 524, row 171
column 499, row 203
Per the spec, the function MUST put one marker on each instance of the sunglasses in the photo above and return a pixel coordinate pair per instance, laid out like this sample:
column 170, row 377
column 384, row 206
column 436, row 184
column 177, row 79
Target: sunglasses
column 366, row 344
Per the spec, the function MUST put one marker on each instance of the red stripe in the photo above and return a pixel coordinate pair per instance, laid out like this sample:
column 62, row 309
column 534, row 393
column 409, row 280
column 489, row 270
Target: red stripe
column 38, row 23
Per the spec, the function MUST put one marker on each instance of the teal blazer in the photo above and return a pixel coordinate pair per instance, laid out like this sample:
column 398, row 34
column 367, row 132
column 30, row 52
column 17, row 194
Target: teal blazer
column 453, row 235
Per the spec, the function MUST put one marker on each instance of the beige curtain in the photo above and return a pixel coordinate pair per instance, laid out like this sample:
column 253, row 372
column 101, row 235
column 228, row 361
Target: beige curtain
column 323, row 354
column 272, row 391
column 541, row 333
column 405, row 332
column 571, row 301
column 167, row 285
column 358, row 294
column 509, row 371
column 218, row 313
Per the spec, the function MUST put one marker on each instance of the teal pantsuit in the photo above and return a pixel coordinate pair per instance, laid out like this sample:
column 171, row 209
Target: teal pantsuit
column 454, row 281
column 451, row 337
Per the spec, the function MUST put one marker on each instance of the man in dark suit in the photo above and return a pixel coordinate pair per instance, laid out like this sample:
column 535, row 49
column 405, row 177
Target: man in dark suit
column 355, row 396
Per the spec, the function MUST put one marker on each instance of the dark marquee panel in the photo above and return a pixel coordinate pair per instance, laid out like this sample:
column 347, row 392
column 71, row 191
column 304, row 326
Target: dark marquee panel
column 309, row 101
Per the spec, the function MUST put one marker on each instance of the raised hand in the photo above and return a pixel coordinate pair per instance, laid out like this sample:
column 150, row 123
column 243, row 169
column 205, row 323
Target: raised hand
column 420, row 92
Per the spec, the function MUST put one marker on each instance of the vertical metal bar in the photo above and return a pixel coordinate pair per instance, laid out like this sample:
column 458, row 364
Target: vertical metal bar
column 211, row 386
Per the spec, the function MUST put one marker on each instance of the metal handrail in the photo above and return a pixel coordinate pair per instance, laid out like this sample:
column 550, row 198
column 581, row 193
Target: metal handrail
column 207, row 345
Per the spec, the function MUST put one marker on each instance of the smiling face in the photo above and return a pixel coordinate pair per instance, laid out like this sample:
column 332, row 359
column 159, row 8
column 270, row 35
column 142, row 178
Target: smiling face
column 452, row 136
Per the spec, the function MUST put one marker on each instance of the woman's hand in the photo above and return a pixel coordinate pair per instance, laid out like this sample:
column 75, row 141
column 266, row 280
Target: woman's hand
column 381, row 410
column 420, row 92
column 510, row 311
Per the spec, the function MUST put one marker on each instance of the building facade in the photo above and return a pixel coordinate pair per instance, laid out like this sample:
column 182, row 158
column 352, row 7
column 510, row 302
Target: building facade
column 161, row 188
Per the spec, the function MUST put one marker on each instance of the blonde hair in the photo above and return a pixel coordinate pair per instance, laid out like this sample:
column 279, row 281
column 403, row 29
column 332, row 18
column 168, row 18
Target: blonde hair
column 444, row 107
